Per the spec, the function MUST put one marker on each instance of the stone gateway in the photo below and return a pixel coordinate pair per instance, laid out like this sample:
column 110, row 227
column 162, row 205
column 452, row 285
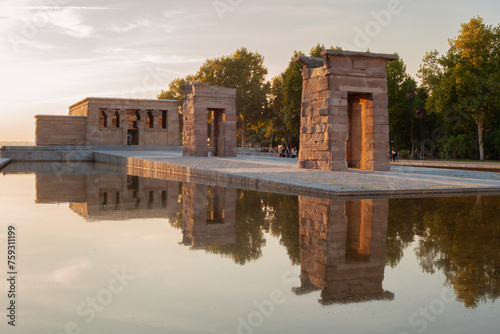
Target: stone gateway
column 220, row 102
column 344, row 114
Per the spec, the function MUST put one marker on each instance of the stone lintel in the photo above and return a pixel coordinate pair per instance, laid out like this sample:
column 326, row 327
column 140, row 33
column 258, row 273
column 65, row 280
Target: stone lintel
column 331, row 52
column 310, row 62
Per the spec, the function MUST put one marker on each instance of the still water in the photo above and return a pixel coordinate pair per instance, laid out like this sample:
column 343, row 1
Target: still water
column 100, row 251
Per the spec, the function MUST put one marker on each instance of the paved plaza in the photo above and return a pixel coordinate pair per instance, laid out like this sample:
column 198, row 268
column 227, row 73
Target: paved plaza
column 283, row 175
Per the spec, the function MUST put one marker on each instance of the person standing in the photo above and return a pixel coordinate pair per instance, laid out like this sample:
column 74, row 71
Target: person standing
column 394, row 155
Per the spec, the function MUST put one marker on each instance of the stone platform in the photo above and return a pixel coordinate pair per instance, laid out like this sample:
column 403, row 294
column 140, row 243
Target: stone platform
column 283, row 175
column 4, row 162
column 70, row 152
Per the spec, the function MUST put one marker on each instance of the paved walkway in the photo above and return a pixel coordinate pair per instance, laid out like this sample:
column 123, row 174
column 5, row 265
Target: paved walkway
column 283, row 175
column 486, row 166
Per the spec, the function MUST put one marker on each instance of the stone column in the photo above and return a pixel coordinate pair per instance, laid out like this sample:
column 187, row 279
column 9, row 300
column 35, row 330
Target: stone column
column 140, row 126
column 109, row 117
column 155, row 114
column 123, row 125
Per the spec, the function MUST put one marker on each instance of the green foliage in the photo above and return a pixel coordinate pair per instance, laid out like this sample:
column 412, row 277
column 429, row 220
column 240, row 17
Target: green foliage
column 398, row 83
column 492, row 145
column 464, row 81
column 286, row 100
column 245, row 71
column 460, row 147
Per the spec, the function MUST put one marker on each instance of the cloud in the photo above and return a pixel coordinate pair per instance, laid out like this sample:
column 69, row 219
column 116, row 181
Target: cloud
column 141, row 22
column 55, row 8
column 170, row 59
column 71, row 23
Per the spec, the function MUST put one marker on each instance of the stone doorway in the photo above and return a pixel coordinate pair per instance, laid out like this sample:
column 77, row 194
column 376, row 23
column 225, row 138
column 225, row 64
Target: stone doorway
column 359, row 144
column 133, row 136
column 133, row 119
column 216, row 129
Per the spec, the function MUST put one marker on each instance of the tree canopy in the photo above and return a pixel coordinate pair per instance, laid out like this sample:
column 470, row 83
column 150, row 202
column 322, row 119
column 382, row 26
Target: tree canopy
column 243, row 70
column 454, row 111
column 463, row 83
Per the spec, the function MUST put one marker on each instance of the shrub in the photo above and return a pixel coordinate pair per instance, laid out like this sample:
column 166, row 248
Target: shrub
column 404, row 154
column 460, row 147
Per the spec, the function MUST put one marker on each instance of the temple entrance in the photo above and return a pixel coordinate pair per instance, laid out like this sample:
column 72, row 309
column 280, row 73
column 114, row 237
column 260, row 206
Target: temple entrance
column 360, row 138
column 133, row 117
column 215, row 127
column 133, row 136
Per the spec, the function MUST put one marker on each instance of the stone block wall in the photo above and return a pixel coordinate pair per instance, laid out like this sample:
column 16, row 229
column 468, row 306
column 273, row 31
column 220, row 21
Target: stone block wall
column 200, row 98
column 344, row 114
column 60, row 130
column 120, row 113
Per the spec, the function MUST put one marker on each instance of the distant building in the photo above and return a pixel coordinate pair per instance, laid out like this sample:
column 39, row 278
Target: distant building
column 112, row 122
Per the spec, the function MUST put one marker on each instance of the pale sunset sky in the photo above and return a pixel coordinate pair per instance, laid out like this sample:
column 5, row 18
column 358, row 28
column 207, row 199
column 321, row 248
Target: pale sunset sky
column 57, row 52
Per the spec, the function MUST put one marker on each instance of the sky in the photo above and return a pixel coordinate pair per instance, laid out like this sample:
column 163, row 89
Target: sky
column 54, row 53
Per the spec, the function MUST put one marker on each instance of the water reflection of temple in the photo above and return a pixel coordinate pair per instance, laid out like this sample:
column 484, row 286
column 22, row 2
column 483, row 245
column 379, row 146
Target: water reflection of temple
column 342, row 243
column 208, row 212
column 209, row 215
column 110, row 196
column 342, row 249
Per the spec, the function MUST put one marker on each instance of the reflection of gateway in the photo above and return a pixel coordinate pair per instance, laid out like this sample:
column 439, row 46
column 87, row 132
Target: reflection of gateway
column 342, row 249
column 209, row 215
column 209, row 212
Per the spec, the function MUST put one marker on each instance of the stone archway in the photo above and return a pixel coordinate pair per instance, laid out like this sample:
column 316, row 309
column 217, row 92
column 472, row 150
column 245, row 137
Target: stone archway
column 201, row 98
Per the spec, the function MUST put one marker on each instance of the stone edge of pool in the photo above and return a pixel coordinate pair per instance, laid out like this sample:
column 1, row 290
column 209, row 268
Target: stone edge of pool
column 4, row 162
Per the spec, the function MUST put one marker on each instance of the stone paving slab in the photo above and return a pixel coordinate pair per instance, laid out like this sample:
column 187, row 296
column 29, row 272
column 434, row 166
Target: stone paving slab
column 283, row 175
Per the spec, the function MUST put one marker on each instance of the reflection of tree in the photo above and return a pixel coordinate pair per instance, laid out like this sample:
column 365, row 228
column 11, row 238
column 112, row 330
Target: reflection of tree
column 250, row 223
column 458, row 236
column 284, row 222
column 256, row 213
column 461, row 238
column 177, row 221
column 404, row 223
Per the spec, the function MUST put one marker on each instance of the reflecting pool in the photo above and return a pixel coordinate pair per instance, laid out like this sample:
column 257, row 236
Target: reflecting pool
column 102, row 251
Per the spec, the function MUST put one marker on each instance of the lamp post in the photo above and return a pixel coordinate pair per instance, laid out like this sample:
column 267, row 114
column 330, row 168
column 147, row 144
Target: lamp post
column 421, row 114
column 410, row 96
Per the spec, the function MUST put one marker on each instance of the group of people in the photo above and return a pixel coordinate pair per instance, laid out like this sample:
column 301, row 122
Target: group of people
column 286, row 152
column 394, row 155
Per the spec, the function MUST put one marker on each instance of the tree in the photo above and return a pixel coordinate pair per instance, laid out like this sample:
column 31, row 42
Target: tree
column 286, row 99
column 174, row 91
column 399, row 118
column 245, row 71
column 465, row 80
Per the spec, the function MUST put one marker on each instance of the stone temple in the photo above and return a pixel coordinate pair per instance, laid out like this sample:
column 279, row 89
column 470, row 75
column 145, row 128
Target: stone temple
column 96, row 121
column 344, row 117
column 344, row 114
